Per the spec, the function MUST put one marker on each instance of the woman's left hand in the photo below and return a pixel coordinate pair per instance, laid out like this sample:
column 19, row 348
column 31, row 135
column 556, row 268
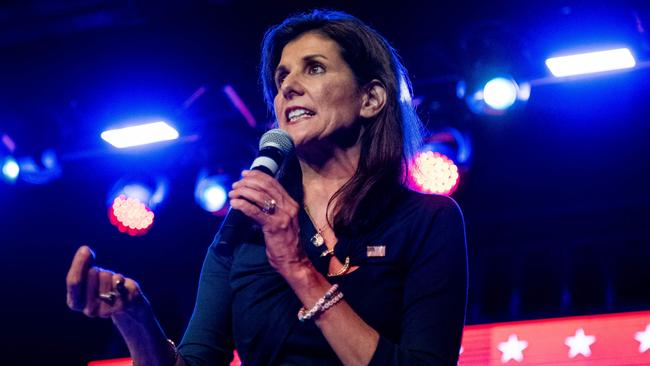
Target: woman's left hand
column 262, row 198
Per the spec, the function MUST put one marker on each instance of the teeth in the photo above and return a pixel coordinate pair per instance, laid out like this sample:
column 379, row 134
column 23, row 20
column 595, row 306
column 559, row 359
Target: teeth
column 297, row 113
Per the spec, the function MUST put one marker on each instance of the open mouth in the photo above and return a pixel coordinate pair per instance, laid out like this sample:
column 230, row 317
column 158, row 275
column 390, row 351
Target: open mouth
column 298, row 113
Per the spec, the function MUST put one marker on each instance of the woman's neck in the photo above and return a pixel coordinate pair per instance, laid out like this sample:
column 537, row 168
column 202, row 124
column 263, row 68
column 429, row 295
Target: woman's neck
column 325, row 173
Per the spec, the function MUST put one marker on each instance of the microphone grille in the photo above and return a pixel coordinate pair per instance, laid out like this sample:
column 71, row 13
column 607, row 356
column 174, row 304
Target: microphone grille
column 277, row 138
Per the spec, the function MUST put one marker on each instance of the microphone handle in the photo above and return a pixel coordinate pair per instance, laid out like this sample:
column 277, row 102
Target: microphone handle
column 235, row 225
column 231, row 232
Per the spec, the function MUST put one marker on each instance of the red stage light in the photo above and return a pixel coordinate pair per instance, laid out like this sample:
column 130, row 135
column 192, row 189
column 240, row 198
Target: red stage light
column 130, row 215
column 433, row 172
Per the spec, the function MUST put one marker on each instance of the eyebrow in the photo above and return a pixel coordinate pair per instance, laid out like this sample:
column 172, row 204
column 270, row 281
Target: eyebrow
column 305, row 58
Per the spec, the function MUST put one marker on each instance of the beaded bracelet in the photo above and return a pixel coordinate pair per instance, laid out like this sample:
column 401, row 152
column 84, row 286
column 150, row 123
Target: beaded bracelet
column 331, row 297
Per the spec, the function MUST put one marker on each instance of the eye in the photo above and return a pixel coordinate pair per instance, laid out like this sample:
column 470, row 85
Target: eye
column 279, row 78
column 316, row 69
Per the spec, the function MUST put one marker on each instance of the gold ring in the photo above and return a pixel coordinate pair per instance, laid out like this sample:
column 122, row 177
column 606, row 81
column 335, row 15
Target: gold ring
column 269, row 206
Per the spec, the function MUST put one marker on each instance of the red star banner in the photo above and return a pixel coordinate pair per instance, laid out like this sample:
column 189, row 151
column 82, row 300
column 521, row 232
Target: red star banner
column 598, row 340
column 595, row 340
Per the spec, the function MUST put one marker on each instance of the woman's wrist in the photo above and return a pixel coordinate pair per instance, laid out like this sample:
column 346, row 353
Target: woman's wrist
column 301, row 275
column 145, row 339
column 138, row 312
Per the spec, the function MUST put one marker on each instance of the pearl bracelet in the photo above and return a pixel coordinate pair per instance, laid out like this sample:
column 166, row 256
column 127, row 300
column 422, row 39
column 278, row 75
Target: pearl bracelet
column 331, row 297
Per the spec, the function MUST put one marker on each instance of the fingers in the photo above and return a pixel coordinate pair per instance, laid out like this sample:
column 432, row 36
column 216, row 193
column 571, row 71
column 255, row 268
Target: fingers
column 77, row 277
column 263, row 199
column 258, row 188
column 96, row 291
column 273, row 213
column 130, row 292
column 249, row 210
column 92, row 290
column 252, row 195
column 107, row 295
column 264, row 183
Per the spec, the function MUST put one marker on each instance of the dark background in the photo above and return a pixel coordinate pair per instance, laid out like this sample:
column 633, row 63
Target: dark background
column 555, row 197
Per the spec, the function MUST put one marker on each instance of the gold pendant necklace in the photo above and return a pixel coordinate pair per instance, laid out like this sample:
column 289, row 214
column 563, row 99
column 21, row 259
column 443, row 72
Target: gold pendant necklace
column 317, row 240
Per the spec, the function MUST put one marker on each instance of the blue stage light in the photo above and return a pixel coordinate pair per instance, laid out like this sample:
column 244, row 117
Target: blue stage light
column 140, row 134
column 496, row 97
column 591, row 62
column 215, row 197
column 210, row 193
column 10, row 169
column 34, row 173
column 500, row 93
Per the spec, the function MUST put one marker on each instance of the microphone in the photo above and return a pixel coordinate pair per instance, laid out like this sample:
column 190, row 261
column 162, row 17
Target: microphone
column 275, row 146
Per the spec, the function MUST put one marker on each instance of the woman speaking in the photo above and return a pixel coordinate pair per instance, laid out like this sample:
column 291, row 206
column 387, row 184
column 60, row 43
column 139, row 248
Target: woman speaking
column 344, row 265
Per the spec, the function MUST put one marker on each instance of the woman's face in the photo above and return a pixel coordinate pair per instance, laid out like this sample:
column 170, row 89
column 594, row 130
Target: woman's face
column 318, row 97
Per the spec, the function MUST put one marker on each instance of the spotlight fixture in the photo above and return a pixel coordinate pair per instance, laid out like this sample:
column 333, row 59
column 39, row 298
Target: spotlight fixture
column 210, row 192
column 140, row 134
column 495, row 64
column 45, row 171
column 131, row 205
column 130, row 215
column 437, row 167
column 433, row 172
column 496, row 96
column 591, row 62
column 500, row 93
column 10, row 169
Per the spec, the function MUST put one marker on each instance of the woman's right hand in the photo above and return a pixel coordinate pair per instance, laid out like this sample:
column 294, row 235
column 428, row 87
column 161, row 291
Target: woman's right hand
column 101, row 293
column 98, row 292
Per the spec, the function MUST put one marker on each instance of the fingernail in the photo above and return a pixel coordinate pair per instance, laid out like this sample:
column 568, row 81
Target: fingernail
column 245, row 172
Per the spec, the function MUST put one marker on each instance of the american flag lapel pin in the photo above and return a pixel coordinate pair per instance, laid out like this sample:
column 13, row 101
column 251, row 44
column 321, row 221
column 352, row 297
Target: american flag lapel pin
column 376, row 251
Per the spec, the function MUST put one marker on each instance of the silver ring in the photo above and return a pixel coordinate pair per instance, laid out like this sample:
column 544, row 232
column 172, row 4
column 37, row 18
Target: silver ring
column 109, row 296
column 269, row 206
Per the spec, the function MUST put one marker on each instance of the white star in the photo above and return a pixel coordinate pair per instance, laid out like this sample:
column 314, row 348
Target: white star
column 580, row 343
column 644, row 339
column 512, row 349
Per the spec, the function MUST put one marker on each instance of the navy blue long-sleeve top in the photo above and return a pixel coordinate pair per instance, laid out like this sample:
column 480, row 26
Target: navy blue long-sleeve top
column 414, row 295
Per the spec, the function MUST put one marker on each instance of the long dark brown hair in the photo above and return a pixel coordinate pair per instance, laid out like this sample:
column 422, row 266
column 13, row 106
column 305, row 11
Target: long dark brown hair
column 388, row 141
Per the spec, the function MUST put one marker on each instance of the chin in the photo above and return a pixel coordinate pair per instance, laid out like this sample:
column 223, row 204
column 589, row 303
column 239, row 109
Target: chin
column 296, row 132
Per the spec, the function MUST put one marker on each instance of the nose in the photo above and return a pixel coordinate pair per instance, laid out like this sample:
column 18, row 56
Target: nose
column 291, row 86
